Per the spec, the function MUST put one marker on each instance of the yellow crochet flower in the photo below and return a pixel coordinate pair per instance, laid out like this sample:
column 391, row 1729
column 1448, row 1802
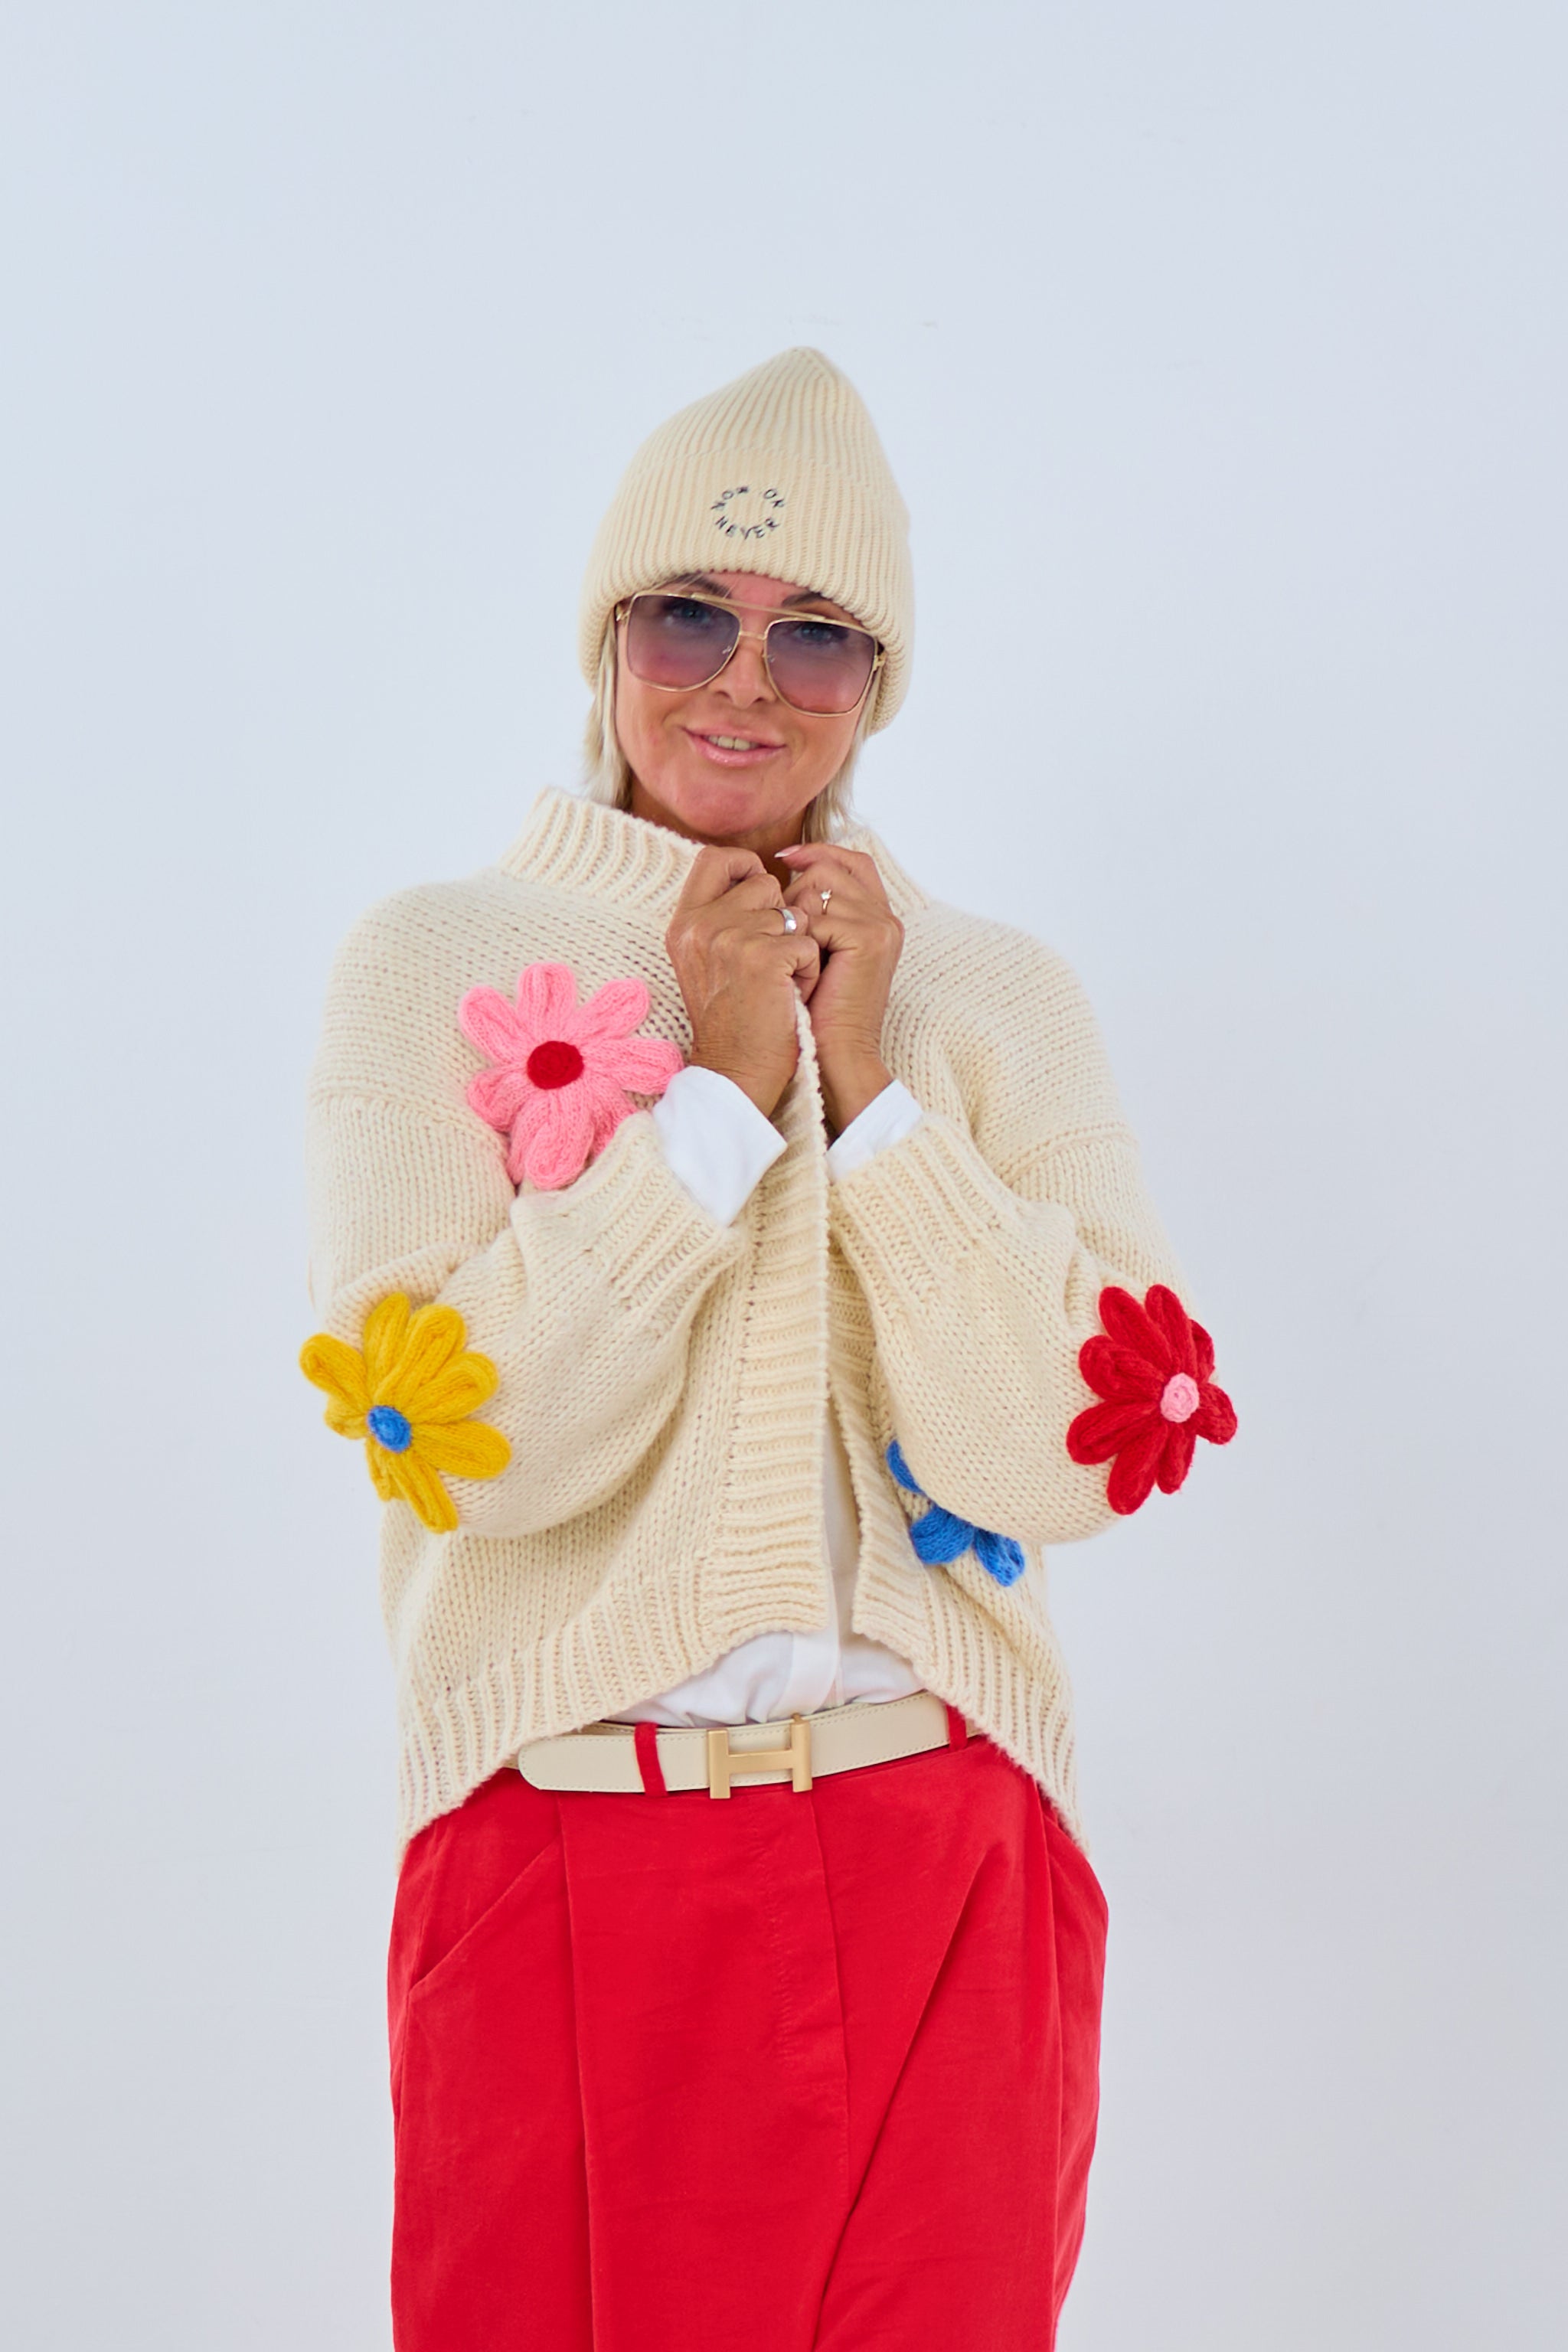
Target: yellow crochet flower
column 410, row 1395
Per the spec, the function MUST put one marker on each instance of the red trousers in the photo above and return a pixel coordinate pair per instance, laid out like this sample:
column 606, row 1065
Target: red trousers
column 797, row 2070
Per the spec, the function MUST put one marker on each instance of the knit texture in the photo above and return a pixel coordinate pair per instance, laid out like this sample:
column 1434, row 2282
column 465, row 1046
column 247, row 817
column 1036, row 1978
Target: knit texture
column 662, row 1380
column 779, row 473
column 939, row 1536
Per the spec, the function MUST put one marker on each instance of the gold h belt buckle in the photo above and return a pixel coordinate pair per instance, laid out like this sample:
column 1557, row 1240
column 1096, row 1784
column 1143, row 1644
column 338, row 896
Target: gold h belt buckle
column 723, row 1761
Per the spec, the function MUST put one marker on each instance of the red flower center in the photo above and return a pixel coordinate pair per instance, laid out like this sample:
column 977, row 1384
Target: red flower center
column 554, row 1064
column 1180, row 1399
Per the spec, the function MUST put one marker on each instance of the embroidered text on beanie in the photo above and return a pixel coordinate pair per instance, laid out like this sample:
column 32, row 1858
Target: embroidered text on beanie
column 779, row 473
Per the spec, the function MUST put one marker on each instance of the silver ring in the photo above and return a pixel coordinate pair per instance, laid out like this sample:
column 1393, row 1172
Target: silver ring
column 792, row 921
column 826, row 895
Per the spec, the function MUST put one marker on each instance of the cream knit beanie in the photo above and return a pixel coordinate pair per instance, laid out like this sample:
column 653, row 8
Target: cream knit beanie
column 779, row 473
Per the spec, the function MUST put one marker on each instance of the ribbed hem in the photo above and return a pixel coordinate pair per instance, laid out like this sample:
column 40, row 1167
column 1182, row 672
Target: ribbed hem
column 637, row 1635
column 1027, row 1712
column 455, row 1738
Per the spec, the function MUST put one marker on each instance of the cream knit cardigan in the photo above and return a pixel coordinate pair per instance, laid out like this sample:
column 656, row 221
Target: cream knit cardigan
column 663, row 1379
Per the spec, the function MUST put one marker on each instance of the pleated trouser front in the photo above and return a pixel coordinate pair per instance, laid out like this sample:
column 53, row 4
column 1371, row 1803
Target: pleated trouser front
column 797, row 2070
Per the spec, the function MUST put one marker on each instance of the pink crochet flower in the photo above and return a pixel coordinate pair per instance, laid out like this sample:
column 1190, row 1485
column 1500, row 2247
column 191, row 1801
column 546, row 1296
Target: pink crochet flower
column 558, row 1086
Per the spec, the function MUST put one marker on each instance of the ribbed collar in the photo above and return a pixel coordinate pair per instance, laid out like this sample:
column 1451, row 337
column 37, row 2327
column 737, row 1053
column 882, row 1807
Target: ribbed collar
column 580, row 844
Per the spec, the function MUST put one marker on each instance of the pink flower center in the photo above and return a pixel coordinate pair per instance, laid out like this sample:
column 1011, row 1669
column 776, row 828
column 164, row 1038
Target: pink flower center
column 556, row 1063
column 1179, row 1400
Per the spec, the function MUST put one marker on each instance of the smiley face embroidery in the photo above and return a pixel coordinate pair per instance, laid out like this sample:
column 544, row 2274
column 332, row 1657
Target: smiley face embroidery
column 747, row 513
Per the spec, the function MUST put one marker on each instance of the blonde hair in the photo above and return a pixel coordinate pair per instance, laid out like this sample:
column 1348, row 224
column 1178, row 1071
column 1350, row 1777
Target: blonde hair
column 607, row 776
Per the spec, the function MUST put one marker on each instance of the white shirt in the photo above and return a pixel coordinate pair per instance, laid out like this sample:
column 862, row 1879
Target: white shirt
column 718, row 1145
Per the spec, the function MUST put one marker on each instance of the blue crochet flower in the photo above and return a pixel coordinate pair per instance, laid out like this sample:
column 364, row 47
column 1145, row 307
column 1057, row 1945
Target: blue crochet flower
column 939, row 1536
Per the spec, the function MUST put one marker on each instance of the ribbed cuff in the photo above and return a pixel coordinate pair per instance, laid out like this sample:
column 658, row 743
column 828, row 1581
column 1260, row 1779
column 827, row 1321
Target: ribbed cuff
column 887, row 1118
column 921, row 1204
column 656, row 1249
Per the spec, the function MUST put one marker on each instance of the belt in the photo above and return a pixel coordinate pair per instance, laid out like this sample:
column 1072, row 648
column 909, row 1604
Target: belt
column 645, row 1759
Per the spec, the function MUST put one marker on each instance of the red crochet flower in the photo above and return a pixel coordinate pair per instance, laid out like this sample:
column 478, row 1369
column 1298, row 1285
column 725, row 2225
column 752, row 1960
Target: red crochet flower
column 558, row 1090
column 1154, row 1370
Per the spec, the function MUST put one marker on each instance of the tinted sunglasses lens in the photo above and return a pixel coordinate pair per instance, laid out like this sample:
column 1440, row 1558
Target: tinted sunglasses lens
column 677, row 641
column 820, row 667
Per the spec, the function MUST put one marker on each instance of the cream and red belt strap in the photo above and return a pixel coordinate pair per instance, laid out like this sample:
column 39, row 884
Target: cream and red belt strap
column 638, row 1759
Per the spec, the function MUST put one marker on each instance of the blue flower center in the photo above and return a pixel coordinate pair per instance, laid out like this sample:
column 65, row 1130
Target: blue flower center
column 390, row 1428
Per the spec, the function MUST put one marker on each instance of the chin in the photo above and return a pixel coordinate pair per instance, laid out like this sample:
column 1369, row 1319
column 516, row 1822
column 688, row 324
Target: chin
column 721, row 806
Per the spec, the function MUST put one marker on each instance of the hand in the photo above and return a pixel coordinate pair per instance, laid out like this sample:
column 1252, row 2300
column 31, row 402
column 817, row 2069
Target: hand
column 860, row 939
column 741, row 972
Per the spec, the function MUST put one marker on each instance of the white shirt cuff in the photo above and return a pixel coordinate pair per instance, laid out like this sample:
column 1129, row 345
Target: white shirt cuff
column 887, row 1118
column 716, row 1142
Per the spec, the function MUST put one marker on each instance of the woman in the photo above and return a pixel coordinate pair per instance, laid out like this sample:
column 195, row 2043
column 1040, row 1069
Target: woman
column 737, row 1269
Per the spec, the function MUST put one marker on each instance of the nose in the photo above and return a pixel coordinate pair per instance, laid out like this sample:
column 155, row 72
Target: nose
column 744, row 679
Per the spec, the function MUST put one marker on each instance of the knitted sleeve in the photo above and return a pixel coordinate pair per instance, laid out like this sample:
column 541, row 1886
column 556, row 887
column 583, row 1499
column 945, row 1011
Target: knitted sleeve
column 582, row 1298
column 982, row 1242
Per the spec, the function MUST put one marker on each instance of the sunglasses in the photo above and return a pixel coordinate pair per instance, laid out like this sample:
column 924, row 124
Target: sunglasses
column 678, row 639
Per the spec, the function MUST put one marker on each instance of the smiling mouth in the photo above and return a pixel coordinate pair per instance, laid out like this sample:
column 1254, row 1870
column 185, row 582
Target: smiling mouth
column 734, row 742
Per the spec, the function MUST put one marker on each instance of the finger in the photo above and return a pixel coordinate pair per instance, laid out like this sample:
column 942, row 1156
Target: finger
column 848, row 915
column 829, row 864
column 754, row 893
column 751, row 891
column 715, row 870
column 748, row 902
column 762, row 935
column 840, row 924
column 802, row 855
column 807, row 894
column 806, row 968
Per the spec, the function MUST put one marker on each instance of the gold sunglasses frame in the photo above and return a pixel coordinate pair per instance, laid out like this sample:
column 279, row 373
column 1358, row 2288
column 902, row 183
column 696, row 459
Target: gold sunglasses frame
column 758, row 637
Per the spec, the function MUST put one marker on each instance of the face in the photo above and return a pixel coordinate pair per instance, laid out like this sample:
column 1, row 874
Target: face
column 731, row 761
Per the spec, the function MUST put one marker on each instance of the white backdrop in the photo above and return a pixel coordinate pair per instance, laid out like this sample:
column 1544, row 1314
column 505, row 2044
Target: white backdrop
column 1219, row 348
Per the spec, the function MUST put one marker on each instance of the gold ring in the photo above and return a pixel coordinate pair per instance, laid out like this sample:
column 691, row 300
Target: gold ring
column 826, row 895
